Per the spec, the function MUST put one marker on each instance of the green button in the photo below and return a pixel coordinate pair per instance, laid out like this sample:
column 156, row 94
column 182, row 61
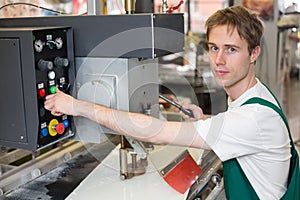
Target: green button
column 52, row 89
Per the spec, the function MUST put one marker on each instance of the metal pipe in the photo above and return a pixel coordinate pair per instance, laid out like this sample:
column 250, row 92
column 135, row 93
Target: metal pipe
column 130, row 6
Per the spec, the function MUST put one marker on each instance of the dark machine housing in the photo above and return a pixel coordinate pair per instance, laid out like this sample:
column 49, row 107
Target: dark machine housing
column 34, row 61
column 112, row 55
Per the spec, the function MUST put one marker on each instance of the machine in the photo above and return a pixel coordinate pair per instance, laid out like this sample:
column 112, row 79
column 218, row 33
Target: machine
column 110, row 60
column 34, row 61
column 113, row 56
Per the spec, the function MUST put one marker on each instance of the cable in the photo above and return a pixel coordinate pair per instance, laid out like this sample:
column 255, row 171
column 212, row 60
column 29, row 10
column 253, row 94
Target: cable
column 39, row 7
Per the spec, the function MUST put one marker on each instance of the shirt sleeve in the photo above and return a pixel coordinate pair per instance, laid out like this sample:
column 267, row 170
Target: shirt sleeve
column 233, row 133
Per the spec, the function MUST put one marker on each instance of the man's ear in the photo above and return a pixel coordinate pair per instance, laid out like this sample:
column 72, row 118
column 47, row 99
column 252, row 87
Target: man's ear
column 254, row 54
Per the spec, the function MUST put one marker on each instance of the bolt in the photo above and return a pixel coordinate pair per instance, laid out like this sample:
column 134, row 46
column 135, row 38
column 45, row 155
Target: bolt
column 67, row 156
column 36, row 173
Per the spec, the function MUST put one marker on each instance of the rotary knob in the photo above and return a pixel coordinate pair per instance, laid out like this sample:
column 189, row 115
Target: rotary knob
column 45, row 64
column 51, row 44
column 61, row 62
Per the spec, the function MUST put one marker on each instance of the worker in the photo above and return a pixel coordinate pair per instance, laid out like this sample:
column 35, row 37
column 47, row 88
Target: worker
column 253, row 136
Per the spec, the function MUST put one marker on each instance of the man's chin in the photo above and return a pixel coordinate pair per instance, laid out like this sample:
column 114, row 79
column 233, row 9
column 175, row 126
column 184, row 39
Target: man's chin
column 221, row 83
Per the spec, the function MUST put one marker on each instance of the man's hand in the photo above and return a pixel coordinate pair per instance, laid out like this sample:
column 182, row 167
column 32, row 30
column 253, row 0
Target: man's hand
column 60, row 103
column 197, row 111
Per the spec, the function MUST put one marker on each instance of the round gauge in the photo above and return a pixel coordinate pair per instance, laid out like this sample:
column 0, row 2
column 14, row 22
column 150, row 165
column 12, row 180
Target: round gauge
column 38, row 45
column 58, row 43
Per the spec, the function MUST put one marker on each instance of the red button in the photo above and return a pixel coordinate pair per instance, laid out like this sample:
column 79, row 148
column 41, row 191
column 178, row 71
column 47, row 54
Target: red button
column 42, row 92
column 60, row 128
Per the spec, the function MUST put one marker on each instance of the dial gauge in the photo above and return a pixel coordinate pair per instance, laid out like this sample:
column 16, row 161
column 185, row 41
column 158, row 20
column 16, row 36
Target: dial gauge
column 58, row 43
column 38, row 45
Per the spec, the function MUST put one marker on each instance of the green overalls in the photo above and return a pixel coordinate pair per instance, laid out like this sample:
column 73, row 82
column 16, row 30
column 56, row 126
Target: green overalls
column 238, row 187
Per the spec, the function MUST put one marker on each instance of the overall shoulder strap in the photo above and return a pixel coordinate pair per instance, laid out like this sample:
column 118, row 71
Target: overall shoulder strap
column 234, row 177
column 294, row 176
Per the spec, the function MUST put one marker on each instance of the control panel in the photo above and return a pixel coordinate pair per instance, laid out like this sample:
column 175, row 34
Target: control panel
column 34, row 63
column 52, row 71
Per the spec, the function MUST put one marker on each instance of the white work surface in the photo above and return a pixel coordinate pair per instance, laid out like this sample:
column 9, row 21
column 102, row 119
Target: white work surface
column 104, row 181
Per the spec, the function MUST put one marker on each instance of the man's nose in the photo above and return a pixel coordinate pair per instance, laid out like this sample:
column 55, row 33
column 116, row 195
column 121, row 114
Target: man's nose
column 220, row 58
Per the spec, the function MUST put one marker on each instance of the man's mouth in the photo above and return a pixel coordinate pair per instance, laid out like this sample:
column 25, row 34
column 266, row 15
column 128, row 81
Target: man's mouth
column 221, row 72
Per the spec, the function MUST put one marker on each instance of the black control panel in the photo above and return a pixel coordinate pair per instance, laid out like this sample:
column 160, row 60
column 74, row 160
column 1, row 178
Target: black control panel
column 52, row 65
column 34, row 63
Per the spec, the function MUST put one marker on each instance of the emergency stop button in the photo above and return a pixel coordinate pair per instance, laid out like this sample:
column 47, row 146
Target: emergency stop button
column 55, row 128
column 60, row 128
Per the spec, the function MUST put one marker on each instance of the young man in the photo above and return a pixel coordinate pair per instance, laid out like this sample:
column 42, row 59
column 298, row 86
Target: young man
column 253, row 136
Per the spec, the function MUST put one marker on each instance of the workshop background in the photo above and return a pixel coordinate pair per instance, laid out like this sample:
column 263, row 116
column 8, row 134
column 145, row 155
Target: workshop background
column 78, row 158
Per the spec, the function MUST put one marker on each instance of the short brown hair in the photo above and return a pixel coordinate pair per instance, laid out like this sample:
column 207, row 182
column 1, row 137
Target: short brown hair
column 248, row 24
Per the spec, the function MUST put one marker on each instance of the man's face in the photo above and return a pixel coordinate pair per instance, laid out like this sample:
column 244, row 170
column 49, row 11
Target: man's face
column 229, row 56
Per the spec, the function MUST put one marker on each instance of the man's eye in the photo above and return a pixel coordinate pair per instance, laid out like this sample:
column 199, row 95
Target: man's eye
column 231, row 49
column 213, row 48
